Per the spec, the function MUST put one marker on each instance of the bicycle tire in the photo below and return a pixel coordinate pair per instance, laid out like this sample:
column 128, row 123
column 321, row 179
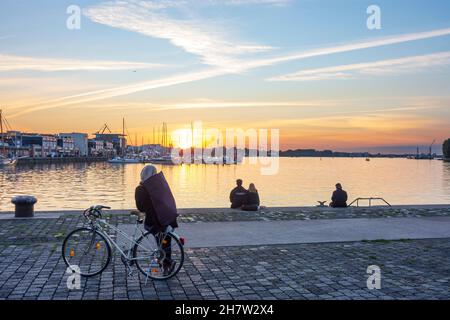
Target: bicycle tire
column 105, row 240
column 142, row 268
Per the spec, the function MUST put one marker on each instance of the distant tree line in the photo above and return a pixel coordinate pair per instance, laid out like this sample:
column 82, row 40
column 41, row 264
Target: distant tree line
column 446, row 149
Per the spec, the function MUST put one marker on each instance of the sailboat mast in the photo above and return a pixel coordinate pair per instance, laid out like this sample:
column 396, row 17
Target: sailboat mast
column 167, row 137
column 192, row 134
column 1, row 130
column 123, row 136
column 160, row 136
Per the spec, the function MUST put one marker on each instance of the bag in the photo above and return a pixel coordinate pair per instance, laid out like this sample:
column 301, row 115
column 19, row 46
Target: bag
column 162, row 199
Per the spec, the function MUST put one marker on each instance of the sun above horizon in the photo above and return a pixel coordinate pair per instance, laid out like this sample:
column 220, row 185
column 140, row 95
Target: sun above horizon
column 182, row 138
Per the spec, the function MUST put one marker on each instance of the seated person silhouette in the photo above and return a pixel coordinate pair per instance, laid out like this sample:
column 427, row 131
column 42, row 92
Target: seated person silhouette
column 238, row 195
column 251, row 202
column 339, row 198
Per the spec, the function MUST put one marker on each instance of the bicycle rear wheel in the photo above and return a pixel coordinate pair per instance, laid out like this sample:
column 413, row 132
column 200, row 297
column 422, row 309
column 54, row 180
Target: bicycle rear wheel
column 159, row 257
column 87, row 251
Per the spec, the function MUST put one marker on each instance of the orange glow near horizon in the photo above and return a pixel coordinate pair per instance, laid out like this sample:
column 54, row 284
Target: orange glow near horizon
column 328, row 130
column 300, row 136
column 186, row 138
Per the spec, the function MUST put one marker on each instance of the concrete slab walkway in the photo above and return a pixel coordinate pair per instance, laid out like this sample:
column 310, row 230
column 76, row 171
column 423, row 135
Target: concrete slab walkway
column 215, row 234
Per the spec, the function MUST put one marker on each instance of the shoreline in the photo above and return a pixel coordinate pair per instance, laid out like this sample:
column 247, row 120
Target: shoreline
column 189, row 215
column 284, row 209
column 49, row 160
column 68, row 160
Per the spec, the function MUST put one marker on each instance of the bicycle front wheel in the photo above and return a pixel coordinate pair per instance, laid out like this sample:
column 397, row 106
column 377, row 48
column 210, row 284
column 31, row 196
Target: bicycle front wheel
column 158, row 257
column 86, row 251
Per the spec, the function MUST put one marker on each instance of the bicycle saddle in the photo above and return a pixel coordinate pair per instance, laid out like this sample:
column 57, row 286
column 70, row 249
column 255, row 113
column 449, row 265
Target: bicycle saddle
column 140, row 215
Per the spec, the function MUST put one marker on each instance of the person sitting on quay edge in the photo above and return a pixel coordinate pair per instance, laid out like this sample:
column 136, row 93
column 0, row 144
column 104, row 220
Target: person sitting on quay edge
column 339, row 198
column 238, row 195
column 251, row 202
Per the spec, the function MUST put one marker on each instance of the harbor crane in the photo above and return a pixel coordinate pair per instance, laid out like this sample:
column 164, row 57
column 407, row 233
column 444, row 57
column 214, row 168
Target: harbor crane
column 103, row 129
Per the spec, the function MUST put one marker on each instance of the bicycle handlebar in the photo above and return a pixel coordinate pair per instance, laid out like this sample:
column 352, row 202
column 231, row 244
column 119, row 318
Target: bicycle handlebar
column 100, row 207
column 94, row 211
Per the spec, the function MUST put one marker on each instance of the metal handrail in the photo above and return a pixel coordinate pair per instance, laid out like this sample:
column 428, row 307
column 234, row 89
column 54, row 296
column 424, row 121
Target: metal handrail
column 370, row 201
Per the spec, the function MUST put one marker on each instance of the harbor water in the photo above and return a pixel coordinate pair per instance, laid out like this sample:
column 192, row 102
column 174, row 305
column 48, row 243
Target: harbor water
column 298, row 182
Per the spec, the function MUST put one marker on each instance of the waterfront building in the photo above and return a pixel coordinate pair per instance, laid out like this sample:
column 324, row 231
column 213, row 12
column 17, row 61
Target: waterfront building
column 65, row 146
column 95, row 147
column 35, row 151
column 11, row 145
column 33, row 142
column 108, row 149
column 99, row 148
column 49, row 145
column 80, row 141
column 118, row 141
column 15, row 138
column 39, row 145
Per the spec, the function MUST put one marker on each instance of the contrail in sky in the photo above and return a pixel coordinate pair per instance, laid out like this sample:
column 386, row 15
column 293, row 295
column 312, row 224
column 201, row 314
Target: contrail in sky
column 215, row 72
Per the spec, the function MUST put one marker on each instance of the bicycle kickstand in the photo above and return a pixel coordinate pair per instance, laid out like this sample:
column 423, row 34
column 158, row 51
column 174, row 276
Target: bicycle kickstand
column 148, row 273
column 130, row 271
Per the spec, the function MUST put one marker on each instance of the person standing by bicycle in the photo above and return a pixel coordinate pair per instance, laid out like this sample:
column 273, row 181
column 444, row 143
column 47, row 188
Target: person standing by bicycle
column 154, row 197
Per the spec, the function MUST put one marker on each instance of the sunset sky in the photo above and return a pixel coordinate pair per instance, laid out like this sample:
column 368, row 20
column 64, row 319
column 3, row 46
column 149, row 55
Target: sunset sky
column 310, row 68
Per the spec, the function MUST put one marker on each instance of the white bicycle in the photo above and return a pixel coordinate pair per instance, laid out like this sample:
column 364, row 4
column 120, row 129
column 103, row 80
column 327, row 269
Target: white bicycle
column 88, row 250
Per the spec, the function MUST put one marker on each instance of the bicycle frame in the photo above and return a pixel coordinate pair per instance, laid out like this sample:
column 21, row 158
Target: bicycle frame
column 100, row 224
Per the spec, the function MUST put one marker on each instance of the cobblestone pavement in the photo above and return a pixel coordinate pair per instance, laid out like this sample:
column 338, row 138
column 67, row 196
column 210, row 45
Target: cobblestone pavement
column 31, row 267
column 309, row 213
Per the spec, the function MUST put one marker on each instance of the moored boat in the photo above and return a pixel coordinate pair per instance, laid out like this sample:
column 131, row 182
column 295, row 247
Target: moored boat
column 120, row 160
column 5, row 161
column 162, row 160
column 8, row 161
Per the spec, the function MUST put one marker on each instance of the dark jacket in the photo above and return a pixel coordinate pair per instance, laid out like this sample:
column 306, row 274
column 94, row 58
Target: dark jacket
column 339, row 199
column 237, row 197
column 144, row 204
column 252, row 199
column 251, row 202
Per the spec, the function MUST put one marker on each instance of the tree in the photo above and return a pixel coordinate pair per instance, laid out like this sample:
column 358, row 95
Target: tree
column 446, row 149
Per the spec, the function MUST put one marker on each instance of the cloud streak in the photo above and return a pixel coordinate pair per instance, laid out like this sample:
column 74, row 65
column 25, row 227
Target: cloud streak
column 200, row 38
column 216, row 72
column 416, row 103
column 397, row 39
column 241, row 104
column 117, row 91
column 382, row 67
column 18, row 63
column 208, row 41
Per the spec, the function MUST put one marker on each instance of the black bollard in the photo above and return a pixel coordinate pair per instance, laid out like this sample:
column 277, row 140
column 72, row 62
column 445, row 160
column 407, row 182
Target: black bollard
column 24, row 206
